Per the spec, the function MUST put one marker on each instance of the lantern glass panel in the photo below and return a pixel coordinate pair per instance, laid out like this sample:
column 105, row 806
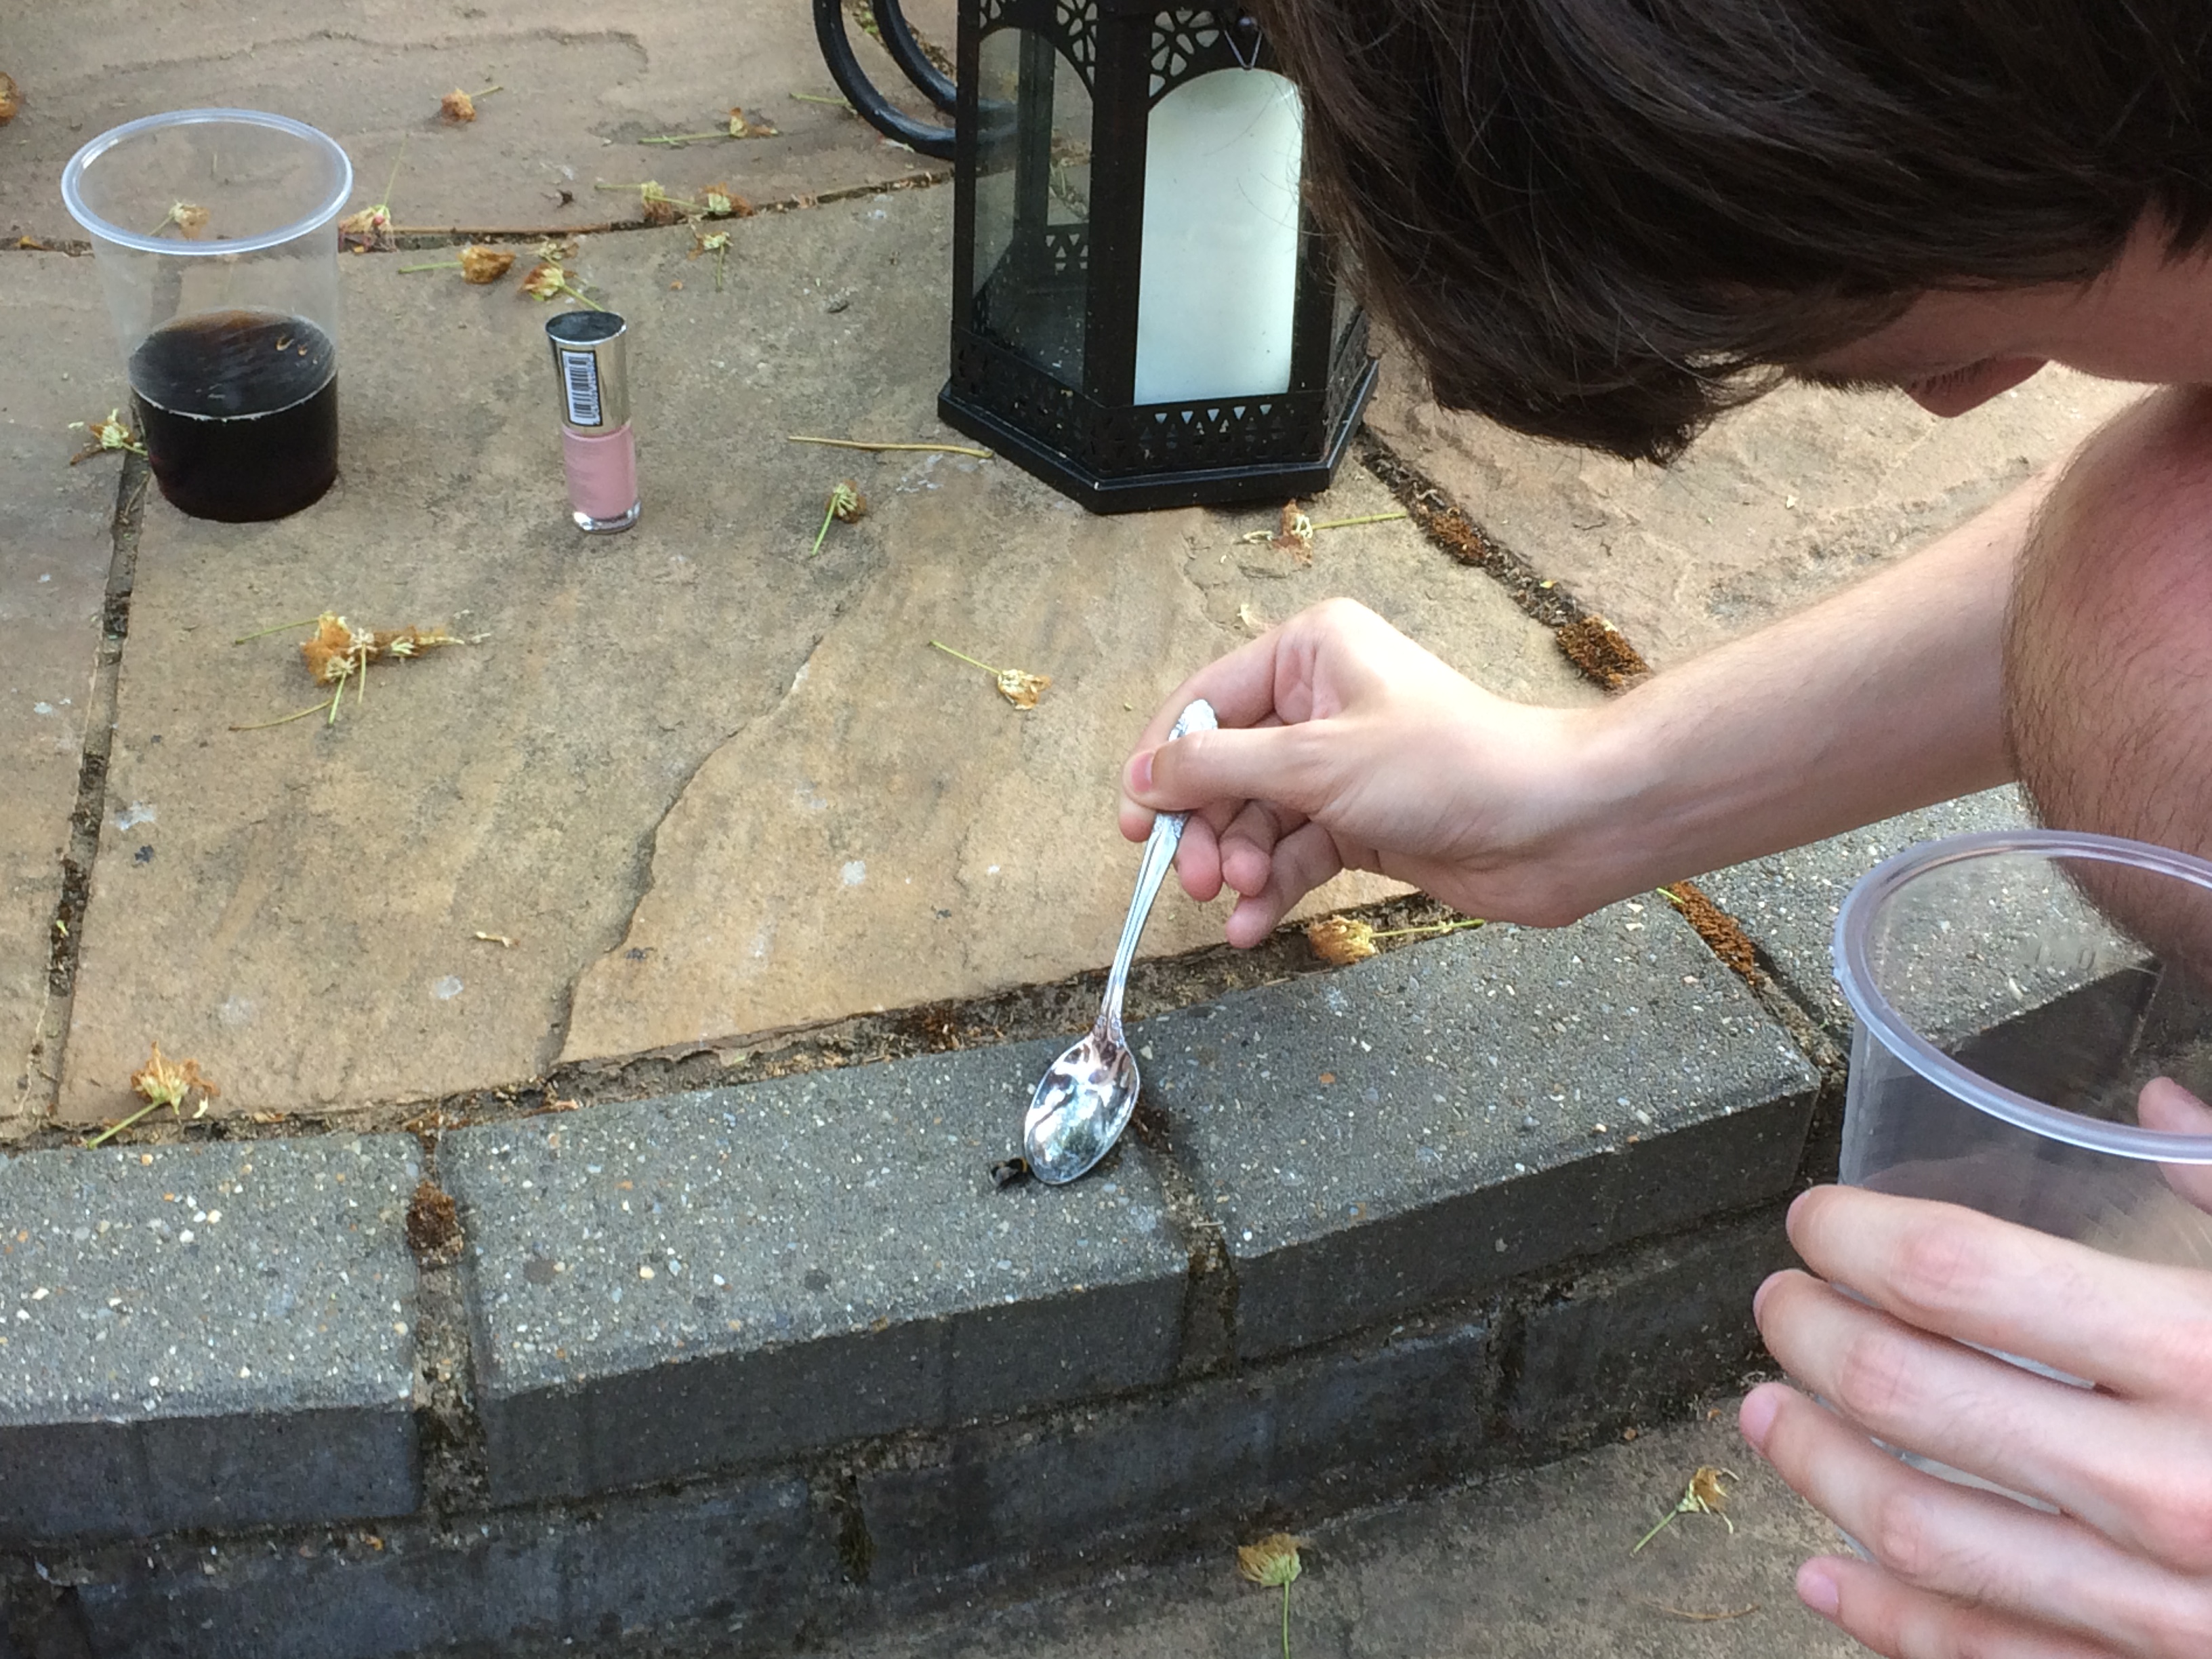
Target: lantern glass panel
column 1032, row 201
column 1217, row 294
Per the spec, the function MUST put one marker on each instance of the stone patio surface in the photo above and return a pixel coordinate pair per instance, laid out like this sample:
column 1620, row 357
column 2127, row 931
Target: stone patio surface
column 579, row 90
column 711, row 788
column 55, row 549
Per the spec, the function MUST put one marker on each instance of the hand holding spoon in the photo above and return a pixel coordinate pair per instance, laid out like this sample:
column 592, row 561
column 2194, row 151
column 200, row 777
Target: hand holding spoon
column 1083, row 1102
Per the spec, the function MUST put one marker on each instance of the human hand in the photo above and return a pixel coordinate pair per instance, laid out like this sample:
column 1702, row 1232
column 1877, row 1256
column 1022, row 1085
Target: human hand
column 2125, row 1567
column 1344, row 746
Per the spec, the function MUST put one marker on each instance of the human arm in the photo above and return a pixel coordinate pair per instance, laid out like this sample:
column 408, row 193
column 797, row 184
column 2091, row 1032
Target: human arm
column 1347, row 746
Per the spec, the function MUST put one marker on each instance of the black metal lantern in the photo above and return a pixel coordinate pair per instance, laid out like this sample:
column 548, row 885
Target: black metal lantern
column 1143, row 313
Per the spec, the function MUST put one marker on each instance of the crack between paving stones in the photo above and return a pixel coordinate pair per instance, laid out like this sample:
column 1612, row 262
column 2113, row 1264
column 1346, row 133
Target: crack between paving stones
column 407, row 238
column 65, row 927
column 1605, row 657
column 1598, row 650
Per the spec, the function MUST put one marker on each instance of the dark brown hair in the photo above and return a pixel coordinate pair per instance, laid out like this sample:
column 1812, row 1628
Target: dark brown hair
column 1607, row 221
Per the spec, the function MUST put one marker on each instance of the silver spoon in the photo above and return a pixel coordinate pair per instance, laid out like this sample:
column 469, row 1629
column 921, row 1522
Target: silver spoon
column 1083, row 1102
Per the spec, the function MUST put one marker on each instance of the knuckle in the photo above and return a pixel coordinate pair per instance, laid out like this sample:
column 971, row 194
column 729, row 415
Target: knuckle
column 1904, row 1538
column 1937, row 1270
column 2173, row 1517
column 1875, row 1378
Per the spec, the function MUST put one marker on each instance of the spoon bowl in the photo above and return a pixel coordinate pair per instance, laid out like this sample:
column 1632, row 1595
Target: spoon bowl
column 1081, row 1108
column 1085, row 1098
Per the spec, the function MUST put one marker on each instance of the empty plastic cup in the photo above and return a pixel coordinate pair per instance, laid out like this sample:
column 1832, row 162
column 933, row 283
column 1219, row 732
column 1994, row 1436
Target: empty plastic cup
column 213, row 232
column 2034, row 1016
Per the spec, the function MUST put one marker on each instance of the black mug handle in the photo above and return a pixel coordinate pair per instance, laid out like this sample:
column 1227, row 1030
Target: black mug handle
column 870, row 104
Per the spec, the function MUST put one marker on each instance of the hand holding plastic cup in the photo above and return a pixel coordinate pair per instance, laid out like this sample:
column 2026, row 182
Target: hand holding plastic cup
column 2034, row 1040
column 212, row 233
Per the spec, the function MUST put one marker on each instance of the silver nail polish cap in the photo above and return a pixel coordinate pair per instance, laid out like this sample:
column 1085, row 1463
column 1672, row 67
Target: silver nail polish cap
column 591, row 365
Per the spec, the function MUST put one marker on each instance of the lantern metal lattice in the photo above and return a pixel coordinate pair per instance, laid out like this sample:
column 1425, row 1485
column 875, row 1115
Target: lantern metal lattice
column 1144, row 313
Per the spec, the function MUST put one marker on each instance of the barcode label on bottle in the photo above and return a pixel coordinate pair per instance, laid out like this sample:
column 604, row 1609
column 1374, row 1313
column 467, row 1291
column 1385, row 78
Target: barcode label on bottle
column 580, row 377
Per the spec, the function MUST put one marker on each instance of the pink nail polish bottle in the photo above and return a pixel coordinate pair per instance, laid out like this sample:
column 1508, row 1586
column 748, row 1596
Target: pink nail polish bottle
column 591, row 352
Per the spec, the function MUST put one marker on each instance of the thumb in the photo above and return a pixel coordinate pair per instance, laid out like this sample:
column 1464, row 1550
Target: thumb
column 1235, row 764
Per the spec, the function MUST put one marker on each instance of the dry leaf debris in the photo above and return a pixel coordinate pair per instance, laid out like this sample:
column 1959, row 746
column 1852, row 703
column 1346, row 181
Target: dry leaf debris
column 845, row 504
column 739, row 125
column 460, row 107
column 1270, row 1562
column 1017, row 687
column 338, row 654
column 371, row 228
column 1705, row 1495
column 189, row 217
column 105, row 437
column 1342, row 940
column 1294, row 531
column 433, row 1223
column 11, row 98
column 716, row 242
column 479, row 263
column 550, row 277
column 163, row 1082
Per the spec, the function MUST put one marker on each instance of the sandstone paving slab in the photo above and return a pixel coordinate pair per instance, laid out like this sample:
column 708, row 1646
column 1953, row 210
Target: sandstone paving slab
column 860, row 822
column 578, row 91
column 1777, row 505
column 1787, row 902
column 216, row 1334
column 54, row 556
column 298, row 908
column 895, row 833
column 720, row 1278
column 1430, row 1121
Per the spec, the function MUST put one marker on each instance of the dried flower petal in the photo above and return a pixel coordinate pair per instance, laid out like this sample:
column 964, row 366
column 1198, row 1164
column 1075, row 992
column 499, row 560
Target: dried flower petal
column 170, row 1083
column 458, row 106
column 1294, row 534
column 1705, row 1486
column 481, row 264
column 11, row 98
column 1705, row 1495
column 105, row 436
column 1019, row 689
column 659, row 208
column 742, row 128
column 1341, row 940
column 189, row 217
column 1274, row 1561
column 723, row 203
column 847, row 503
column 544, row 280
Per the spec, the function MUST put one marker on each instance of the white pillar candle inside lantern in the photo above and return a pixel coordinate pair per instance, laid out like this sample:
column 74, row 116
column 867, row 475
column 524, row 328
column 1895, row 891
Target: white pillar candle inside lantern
column 1218, row 289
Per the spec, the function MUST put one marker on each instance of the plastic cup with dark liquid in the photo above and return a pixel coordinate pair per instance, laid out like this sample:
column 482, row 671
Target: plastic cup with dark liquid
column 213, row 233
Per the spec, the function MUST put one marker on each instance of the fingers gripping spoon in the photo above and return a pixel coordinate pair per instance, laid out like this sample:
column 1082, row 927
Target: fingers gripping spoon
column 1083, row 1104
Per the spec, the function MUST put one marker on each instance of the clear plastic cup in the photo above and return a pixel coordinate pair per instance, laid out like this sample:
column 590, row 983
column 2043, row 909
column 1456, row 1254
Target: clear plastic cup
column 2019, row 995
column 212, row 230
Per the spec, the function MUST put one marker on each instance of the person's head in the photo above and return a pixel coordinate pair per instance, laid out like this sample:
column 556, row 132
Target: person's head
column 1606, row 220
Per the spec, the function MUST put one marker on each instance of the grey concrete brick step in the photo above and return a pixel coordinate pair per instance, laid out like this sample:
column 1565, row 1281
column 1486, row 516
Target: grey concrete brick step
column 1444, row 1117
column 670, row 1286
column 753, row 1564
column 737, row 1279
column 208, row 1336
column 717, row 1280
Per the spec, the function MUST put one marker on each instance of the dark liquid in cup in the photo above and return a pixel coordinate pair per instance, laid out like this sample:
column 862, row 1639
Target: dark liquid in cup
column 240, row 412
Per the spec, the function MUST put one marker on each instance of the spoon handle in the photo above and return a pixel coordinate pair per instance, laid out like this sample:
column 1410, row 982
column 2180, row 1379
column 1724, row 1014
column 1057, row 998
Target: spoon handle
column 1159, row 855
